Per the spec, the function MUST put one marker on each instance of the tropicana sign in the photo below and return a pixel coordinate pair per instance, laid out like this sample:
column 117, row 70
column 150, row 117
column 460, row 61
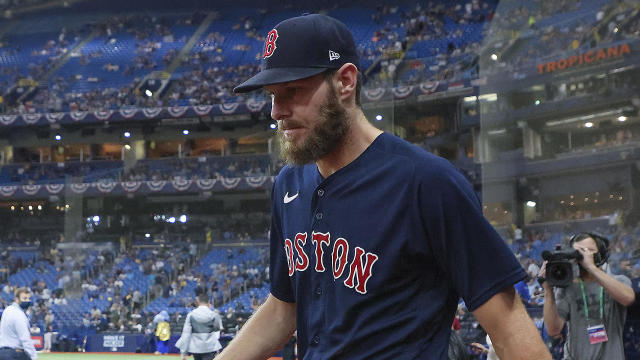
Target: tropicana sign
column 588, row 58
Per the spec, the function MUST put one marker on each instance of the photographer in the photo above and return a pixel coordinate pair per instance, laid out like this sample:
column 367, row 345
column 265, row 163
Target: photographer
column 594, row 304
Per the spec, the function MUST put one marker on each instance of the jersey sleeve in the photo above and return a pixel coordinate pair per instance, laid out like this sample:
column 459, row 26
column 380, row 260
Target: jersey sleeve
column 278, row 269
column 473, row 257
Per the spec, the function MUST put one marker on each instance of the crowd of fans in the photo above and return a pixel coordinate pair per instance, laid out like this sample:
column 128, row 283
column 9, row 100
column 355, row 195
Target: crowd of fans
column 170, row 169
column 208, row 85
column 205, row 78
column 104, row 280
column 107, row 283
column 581, row 29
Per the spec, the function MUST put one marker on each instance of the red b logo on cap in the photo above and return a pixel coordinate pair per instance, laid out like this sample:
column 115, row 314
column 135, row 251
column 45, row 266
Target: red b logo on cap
column 270, row 44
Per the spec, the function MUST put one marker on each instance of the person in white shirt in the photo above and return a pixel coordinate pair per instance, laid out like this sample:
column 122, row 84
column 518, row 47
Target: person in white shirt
column 15, row 338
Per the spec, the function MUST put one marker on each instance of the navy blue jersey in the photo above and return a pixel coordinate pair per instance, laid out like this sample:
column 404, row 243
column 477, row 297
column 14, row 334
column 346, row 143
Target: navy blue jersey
column 377, row 255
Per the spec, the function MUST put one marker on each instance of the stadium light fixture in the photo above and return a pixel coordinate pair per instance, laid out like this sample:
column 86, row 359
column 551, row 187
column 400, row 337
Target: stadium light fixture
column 127, row 134
column 39, row 207
column 96, row 219
column 531, row 204
column 148, row 93
column 13, row 208
column 147, row 235
column 622, row 118
column 494, row 57
column 171, row 220
column 30, row 208
column 537, row 102
column 379, row 117
column 183, row 218
column 588, row 124
column 58, row 137
column 488, row 97
column 615, row 29
column 185, row 132
column 127, row 147
column 273, row 126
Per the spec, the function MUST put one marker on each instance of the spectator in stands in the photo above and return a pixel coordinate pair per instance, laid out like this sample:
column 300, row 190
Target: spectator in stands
column 48, row 338
column 162, row 331
column 594, row 306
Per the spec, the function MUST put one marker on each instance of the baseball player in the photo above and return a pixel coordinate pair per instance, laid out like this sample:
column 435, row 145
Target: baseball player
column 373, row 240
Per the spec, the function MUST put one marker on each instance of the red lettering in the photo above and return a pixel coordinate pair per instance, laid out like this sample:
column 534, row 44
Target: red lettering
column 318, row 239
column 362, row 271
column 562, row 64
column 601, row 55
column 288, row 249
column 624, row 49
column 270, row 44
column 303, row 260
column 551, row 66
column 572, row 60
column 588, row 57
column 612, row 51
column 339, row 261
column 540, row 68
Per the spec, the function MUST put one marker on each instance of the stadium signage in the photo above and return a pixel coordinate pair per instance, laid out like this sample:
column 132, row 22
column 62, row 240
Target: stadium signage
column 113, row 341
column 588, row 58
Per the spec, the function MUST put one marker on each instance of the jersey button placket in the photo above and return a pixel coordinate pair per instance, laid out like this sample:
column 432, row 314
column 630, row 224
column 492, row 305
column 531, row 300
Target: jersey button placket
column 315, row 340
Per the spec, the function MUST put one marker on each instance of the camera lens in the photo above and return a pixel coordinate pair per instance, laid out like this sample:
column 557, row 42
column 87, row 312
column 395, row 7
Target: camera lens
column 558, row 272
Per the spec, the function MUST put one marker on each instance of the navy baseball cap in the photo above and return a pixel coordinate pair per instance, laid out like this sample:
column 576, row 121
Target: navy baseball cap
column 302, row 47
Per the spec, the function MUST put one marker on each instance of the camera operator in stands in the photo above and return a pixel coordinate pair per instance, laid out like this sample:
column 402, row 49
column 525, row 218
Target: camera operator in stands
column 594, row 303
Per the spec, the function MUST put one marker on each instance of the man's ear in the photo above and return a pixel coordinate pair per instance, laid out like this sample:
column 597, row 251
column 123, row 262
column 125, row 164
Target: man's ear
column 347, row 79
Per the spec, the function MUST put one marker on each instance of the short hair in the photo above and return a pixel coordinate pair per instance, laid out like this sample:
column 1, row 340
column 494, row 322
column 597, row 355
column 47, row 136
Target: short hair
column 20, row 291
column 203, row 298
column 329, row 74
column 602, row 243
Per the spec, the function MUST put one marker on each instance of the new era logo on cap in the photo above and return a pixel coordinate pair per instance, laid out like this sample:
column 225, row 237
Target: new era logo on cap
column 297, row 48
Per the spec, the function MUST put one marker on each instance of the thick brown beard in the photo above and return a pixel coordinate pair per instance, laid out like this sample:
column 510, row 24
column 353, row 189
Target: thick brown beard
column 325, row 137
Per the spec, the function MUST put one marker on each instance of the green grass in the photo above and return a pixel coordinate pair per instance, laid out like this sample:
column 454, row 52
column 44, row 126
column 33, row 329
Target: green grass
column 91, row 356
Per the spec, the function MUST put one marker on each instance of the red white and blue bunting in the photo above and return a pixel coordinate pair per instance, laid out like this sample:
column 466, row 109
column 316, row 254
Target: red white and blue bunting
column 106, row 187
column 8, row 119
column 54, row 117
column 229, row 109
column 7, row 191
column 250, row 106
column 31, row 189
column 402, row 92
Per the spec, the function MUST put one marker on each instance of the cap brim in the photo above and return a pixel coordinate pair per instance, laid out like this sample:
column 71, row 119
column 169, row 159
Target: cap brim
column 276, row 76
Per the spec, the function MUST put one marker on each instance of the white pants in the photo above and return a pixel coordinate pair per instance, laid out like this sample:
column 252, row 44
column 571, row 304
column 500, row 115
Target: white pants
column 47, row 340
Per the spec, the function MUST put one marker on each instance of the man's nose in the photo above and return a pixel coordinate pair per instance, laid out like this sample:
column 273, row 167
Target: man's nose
column 279, row 109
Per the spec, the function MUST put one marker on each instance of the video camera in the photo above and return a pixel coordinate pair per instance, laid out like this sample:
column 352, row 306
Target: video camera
column 562, row 264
